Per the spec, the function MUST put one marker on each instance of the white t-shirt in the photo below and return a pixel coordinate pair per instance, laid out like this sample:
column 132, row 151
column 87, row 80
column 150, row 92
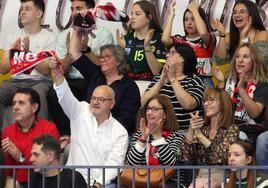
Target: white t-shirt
column 44, row 40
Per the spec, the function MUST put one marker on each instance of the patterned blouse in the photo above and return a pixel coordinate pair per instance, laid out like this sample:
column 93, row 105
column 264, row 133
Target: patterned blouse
column 217, row 152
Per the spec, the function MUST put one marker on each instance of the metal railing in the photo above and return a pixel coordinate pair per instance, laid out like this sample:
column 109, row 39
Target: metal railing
column 178, row 169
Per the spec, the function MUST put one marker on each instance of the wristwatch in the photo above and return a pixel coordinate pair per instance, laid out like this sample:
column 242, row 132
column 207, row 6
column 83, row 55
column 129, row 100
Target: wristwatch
column 22, row 159
column 86, row 50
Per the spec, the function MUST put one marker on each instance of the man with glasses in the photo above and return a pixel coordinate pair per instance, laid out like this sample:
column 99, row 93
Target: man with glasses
column 78, row 84
column 97, row 138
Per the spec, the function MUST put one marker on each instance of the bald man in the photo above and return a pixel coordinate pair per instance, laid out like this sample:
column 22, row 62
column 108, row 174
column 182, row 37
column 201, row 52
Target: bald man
column 96, row 137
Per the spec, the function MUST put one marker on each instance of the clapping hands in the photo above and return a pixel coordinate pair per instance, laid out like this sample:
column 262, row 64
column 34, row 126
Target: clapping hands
column 152, row 128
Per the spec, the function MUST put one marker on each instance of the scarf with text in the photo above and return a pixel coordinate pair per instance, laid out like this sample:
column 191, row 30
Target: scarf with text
column 240, row 110
column 24, row 62
column 86, row 24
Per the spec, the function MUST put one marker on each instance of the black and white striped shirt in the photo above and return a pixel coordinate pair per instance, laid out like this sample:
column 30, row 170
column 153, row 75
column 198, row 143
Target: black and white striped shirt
column 194, row 86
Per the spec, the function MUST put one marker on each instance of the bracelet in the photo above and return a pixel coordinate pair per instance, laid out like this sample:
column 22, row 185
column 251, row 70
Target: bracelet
column 147, row 50
column 86, row 50
column 142, row 140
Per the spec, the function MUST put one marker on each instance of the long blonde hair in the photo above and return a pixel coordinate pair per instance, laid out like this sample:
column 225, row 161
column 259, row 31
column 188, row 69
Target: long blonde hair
column 258, row 72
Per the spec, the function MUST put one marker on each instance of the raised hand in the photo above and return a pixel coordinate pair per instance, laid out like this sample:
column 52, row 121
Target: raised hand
column 171, row 70
column 25, row 44
column 148, row 37
column 17, row 44
column 163, row 77
column 56, row 70
column 156, row 128
column 193, row 6
column 120, row 39
column 75, row 45
column 242, row 81
column 144, row 129
column 216, row 24
column 217, row 73
column 171, row 8
column 196, row 122
column 245, row 30
column 68, row 38
column 84, row 41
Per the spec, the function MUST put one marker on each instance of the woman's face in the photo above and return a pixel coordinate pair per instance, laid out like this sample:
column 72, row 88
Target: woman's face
column 155, row 112
column 240, row 16
column 211, row 106
column 189, row 23
column 243, row 62
column 138, row 19
column 237, row 156
column 174, row 56
column 107, row 61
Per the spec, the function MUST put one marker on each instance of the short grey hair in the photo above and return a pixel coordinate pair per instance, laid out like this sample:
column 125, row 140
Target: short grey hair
column 120, row 56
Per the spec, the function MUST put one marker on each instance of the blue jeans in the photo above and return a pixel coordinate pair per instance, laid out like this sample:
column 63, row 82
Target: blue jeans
column 262, row 150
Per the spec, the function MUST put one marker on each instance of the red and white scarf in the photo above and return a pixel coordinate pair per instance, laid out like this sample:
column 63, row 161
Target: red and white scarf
column 240, row 110
column 105, row 12
column 152, row 152
column 24, row 62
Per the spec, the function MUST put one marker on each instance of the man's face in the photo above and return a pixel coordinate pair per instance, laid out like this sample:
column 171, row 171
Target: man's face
column 23, row 110
column 101, row 102
column 77, row 6
column 38, row 157
column 29, row 13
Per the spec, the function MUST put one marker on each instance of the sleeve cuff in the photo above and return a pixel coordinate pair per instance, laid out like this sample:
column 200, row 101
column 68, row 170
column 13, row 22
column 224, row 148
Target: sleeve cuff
column 61, row 89
column 139, row 148
column 159, row 142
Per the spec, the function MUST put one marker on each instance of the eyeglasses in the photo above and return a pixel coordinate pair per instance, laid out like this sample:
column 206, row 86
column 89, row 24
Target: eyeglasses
column 105, row 57
column 210, row 100
column 99, row 99
column 153, row 109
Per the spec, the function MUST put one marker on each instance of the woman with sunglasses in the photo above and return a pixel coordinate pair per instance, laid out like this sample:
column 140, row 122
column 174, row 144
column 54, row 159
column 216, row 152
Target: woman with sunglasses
column 246, row 26
column 242, row 153
column 179, row 81
column 158, row 140
column 208, row 139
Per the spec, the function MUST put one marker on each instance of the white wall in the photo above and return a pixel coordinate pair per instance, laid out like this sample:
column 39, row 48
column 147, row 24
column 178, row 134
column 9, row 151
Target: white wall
column 10, row 8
